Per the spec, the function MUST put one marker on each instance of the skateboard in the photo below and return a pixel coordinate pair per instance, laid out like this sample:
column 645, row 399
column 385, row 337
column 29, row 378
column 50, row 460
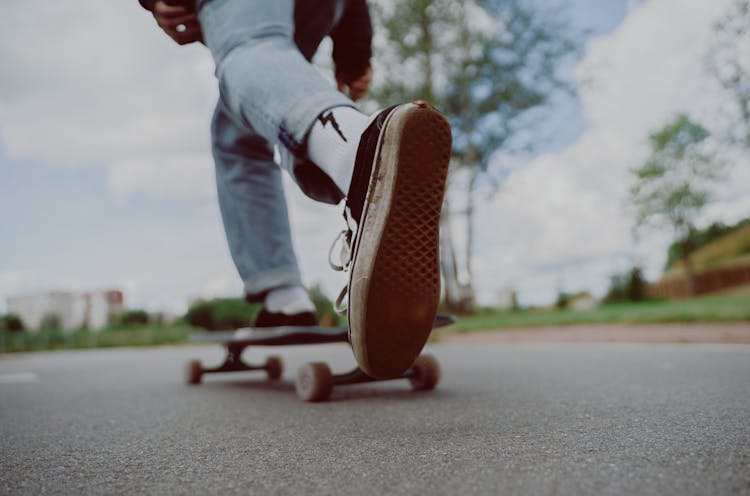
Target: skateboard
column 314, row 381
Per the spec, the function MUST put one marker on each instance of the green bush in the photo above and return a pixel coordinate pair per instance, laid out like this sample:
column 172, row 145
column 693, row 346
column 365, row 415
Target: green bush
column 324, row 310
column 200, row 315
column 563, row 300
column 11, row 323
column 50, row 322
column 221, row 314
column 233, row 313
column 133, row 318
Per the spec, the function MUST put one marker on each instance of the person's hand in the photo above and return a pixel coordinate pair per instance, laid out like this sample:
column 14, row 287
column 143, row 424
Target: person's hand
column 357, row 87
column 179, row 22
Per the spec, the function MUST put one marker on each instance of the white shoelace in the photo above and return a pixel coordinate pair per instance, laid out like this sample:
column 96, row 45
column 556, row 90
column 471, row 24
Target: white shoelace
column 346, row 237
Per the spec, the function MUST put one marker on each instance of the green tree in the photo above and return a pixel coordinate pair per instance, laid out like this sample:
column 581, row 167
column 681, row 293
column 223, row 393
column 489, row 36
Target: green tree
column 628, row 286
column 674, row 185
column 488, row 65
column 729, row 61
column 563, row 300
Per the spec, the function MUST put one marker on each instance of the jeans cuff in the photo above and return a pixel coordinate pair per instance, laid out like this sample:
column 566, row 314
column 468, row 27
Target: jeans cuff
column 262, row 282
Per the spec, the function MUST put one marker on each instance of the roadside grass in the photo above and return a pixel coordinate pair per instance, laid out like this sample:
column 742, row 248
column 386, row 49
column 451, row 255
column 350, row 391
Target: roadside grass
column 85, row 338
column 729, row 308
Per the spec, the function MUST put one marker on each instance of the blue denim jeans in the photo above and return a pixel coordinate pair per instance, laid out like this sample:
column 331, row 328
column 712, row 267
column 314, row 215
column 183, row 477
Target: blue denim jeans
column 269, row 94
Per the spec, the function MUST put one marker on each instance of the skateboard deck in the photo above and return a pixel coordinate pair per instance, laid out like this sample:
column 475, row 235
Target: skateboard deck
column 314, row 381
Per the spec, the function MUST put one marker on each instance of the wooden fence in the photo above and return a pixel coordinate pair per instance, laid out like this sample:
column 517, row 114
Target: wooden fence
column 705, row 282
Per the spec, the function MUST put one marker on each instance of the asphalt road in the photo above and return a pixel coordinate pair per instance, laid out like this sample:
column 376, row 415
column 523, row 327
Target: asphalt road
column 506, row 419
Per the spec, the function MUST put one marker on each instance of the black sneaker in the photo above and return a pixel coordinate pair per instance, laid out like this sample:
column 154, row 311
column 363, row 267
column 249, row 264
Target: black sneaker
column 393, row 212
column 269, row 319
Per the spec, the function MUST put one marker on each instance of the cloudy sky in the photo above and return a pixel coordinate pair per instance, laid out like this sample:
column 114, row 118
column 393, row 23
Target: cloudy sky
column 106, row 179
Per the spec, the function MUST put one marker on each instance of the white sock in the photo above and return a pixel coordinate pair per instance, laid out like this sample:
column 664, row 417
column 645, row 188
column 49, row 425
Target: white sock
column 289, row 300
column 333, row 141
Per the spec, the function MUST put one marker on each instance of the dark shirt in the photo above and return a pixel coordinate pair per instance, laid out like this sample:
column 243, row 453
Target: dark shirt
column 352, row 37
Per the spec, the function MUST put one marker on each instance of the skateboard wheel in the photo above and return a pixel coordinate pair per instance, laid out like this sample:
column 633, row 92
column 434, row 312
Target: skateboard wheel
column 274, row 367
column 314, row 382
column 194, row 372
column 425, row 373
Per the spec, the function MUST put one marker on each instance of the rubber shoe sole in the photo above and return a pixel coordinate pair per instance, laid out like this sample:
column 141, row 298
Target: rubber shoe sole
column 394, row 287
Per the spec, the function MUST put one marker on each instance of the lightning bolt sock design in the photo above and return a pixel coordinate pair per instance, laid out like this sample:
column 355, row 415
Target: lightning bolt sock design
column 333, row 141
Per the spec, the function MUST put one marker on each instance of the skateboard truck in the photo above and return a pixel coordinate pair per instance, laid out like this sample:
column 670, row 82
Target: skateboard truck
column 314, row 381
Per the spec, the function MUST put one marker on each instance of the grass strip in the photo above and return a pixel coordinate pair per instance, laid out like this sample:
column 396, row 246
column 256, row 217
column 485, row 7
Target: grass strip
column 735, row 308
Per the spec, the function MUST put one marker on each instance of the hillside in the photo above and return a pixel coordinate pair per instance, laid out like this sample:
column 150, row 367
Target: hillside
column 730, row 250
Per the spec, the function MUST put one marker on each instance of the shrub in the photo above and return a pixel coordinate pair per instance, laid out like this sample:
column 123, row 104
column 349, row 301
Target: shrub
column 133, row 318
column 636, row 285
column 324, row 310
column 11, row 323
column 221, row 314
column 563, row 300
column 50, row 322
column 200, row 315
column 628, row 286
column 232, row 313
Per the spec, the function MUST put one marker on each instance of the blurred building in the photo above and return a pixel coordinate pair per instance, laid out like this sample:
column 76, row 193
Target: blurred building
column 65, row 309
column 506, row 299
column 583, row 301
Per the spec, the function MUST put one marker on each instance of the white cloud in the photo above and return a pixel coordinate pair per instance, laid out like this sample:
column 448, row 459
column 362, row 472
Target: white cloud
column 96, row 83
column 159, row 269
column 182, row 175
column 567, row 208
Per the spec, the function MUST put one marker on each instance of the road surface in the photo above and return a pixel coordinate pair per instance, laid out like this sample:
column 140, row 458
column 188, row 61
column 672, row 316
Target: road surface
column 506, row 419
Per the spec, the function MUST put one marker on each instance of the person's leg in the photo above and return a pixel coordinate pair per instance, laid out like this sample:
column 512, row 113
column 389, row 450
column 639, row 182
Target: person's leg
column 264, row 79
column 397, row 182
column 262, row 51
column 254, row 211
column 249, row 189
